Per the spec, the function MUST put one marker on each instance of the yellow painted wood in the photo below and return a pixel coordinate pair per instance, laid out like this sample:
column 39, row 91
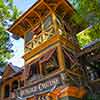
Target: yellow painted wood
column 56, row 38
column 60, row 57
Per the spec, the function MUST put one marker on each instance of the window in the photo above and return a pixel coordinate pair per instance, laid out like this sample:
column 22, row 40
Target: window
column 60, row 26
column 34, row 71
column 14, row 85
column 21, row 83
column 47, row 22
column 50, row 62
column 28, row 36
column 7, row 91
column 45, row 64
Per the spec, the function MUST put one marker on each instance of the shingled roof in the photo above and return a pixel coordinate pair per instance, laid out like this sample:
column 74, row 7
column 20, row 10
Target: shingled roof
column 15, row 68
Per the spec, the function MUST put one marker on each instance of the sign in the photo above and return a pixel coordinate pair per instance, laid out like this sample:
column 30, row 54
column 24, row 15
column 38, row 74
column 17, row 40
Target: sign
column 41, row 87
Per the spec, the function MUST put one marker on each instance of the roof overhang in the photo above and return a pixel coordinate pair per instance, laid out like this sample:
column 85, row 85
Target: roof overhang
column 38, row 12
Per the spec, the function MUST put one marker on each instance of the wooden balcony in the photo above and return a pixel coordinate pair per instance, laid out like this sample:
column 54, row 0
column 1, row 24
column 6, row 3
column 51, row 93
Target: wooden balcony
column 36, row 41
column 43, row 44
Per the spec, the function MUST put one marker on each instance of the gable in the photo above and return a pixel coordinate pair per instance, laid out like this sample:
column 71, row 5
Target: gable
column 8, row 71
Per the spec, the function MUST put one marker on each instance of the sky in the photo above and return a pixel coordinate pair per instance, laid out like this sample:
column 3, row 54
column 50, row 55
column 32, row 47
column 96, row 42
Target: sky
column 23, row 5
column 18, row 47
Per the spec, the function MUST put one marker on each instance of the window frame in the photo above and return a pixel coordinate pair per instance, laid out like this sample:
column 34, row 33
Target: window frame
column 43, row 69
column 37, row 70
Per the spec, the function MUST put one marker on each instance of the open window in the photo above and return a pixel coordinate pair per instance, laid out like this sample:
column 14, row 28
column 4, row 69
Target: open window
column 34, row 71
column 50, row 62
column 14, row 88
column 46, row 64
column 14, row 85
column 21, row 83
column 28, row 36
column 47, row 22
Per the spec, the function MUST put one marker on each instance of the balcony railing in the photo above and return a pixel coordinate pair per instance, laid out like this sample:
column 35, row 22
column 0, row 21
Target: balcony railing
column 44, row 36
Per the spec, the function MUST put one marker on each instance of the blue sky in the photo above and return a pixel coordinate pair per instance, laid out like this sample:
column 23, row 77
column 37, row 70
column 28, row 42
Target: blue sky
column 18, row 47
column 23, row 5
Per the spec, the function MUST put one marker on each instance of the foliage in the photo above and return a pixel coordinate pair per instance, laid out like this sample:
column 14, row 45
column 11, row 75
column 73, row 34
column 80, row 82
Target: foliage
column 8, row 13
column 88, row 35
column 87, row 14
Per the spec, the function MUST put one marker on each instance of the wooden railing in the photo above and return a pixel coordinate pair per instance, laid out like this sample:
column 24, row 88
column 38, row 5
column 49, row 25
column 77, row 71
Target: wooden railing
column 36, row 41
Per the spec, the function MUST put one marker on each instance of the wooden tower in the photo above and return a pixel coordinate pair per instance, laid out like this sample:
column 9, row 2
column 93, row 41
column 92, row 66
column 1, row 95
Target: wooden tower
column 50, row 64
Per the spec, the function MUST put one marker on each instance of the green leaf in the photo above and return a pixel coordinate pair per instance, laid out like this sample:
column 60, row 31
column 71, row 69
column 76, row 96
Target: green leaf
column 7, row 10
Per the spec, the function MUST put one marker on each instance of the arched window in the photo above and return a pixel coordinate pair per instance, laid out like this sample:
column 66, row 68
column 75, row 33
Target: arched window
column 7, row 91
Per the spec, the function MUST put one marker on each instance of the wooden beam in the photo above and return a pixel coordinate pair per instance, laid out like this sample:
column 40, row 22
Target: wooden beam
column 29, row 22
column 24, row 15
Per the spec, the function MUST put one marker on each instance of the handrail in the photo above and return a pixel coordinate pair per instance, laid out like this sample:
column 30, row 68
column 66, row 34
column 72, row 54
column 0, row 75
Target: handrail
column 42, row 37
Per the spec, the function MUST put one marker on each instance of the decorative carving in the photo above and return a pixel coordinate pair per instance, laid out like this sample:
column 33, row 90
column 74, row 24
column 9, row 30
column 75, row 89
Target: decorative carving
column 38, row 40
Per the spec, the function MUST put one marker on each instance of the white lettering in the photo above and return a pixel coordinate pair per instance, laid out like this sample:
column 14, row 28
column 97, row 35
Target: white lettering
column 40, row 87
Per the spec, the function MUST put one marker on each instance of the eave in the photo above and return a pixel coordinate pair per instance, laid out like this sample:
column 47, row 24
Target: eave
column 17, row 29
